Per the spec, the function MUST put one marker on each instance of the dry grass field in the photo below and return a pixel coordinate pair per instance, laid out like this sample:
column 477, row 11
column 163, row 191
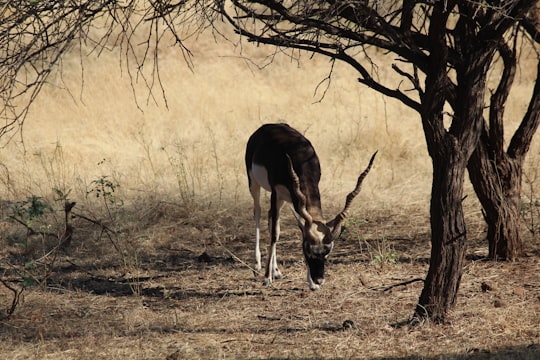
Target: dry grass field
column 160, row 264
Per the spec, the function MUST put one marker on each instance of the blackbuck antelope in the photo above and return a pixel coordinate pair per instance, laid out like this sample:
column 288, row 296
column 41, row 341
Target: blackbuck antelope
column 284, row 162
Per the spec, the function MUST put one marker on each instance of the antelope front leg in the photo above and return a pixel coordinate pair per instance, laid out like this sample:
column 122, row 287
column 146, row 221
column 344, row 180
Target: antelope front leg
column 267, row 281
column 272, row 272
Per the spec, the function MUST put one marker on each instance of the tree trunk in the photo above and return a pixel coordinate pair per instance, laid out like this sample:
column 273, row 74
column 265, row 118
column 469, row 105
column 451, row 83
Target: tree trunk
column 495, row 174
column 497, row 183
column 450, row 149
column 448, row 235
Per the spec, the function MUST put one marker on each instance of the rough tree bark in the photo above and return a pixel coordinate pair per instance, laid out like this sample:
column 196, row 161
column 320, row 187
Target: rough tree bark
column 497, row 183
column 448, row 233
column 496, row 175
column 450, row 151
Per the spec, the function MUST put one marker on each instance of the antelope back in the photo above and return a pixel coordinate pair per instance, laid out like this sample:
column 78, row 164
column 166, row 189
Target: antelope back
column 274, row 146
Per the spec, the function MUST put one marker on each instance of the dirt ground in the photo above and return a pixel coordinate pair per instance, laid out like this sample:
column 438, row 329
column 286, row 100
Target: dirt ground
column 171, row 285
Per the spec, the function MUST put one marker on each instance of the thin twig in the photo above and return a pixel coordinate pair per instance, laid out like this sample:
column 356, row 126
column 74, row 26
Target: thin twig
column 237, row 258
column 95, row 222
column 16, row 297
column 403, row 283
column 32, row 231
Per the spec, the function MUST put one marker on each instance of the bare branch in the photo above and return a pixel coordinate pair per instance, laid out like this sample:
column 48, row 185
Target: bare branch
column 413, row 78
column 35, row 35
column 521, row 141
column 499, row 98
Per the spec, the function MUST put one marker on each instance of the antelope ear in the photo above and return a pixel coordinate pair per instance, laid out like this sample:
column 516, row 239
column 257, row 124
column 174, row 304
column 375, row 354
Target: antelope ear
column 335, row 232
column 335, row 228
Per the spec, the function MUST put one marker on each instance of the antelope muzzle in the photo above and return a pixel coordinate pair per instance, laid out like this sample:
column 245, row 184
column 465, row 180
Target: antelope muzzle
column 315, row 256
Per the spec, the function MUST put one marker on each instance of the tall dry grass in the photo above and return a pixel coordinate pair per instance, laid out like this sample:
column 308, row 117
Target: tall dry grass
column 94, row 120
column 97, row 123
column 89, row 122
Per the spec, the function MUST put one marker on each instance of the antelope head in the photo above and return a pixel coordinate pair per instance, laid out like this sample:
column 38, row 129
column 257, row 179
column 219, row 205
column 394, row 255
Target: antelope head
column 318, row 236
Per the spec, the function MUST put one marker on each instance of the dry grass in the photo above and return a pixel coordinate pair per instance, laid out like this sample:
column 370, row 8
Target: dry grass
column 175, row 280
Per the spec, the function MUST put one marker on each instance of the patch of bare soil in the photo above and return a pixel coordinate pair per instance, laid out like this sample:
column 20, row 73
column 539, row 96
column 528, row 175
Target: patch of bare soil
column 179, row 284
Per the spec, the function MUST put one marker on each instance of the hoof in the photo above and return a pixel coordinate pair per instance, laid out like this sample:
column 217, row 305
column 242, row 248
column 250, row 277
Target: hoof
column 314, row 287
column 314, row 284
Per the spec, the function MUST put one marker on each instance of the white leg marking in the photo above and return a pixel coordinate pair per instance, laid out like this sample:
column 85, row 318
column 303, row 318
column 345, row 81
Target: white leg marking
column 269, row 273
column 276, row 273
column 257, row 248
column 270, row 269
column 255, row 190
column 272, row 272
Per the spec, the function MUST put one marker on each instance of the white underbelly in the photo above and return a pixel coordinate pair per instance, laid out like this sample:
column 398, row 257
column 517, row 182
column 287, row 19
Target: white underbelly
column 260, row 176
